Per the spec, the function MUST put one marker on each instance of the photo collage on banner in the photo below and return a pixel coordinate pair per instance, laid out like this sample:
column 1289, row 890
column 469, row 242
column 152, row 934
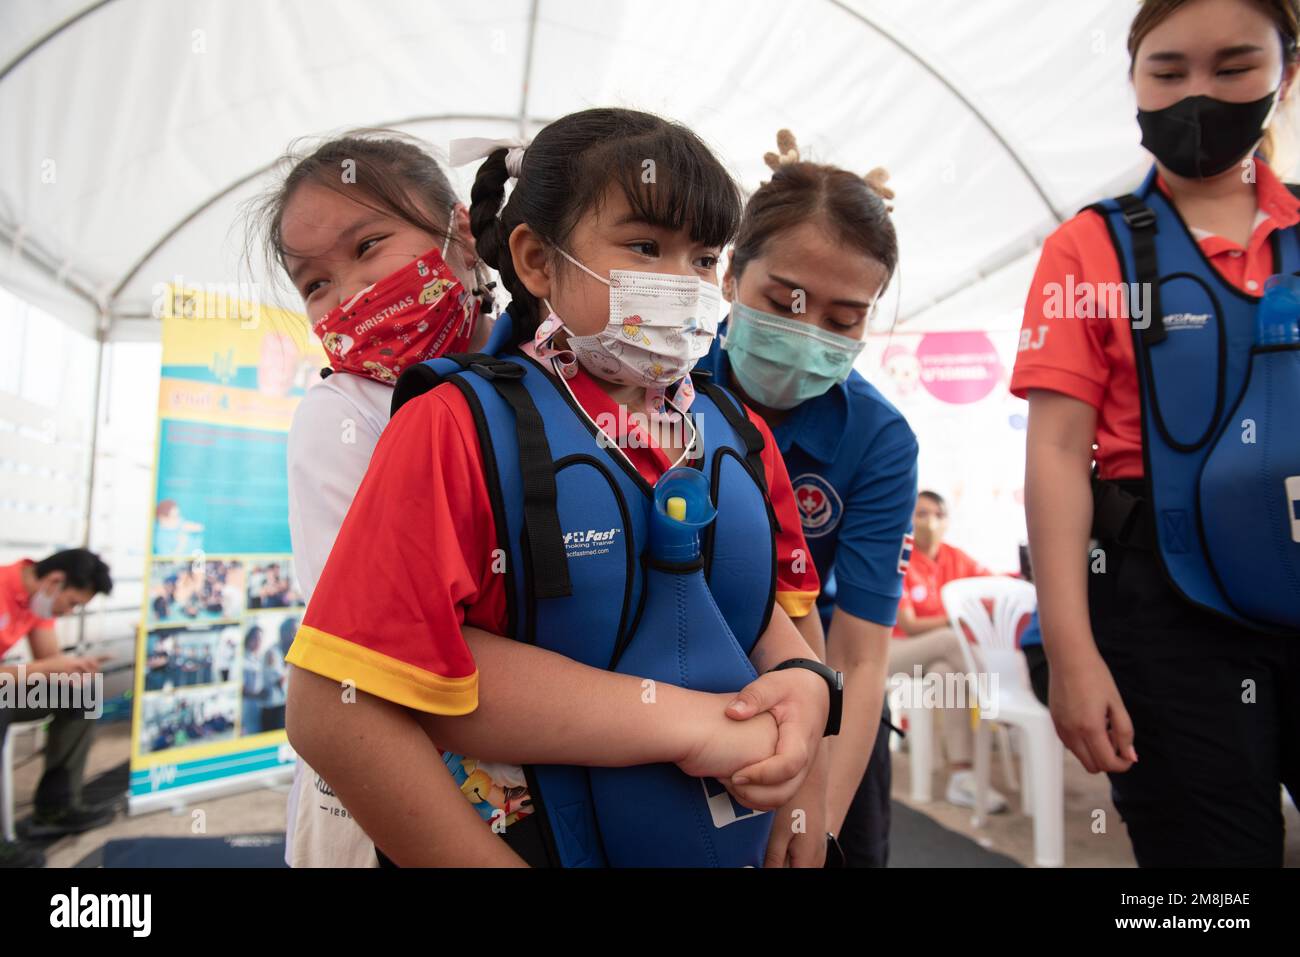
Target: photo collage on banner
column 221, row 605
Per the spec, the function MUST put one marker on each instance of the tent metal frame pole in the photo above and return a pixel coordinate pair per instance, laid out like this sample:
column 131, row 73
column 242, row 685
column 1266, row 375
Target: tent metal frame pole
column 11, row 235
column 966, row 101
column 101, row 335
column 47, row 37
column 527, row 80
column 221, row 194
column 521, row 120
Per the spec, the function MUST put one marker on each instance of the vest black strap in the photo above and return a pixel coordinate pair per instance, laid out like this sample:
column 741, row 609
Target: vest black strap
column 746, row 429
column 1142, row 224
column 543, row 535
column 415, row 381
column 1120, row 514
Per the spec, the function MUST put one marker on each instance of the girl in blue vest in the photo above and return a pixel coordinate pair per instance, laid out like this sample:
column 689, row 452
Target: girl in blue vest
column 1174, row 639
column 815, row 252
column 426, row 562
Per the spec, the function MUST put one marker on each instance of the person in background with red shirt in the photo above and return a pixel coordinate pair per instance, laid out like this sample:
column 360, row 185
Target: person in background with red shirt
column 32, row 595
column 1135, row 664
column 924, row 637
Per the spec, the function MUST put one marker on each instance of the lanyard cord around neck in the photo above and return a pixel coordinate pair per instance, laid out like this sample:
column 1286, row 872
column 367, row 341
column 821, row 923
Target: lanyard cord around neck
column 612, row 441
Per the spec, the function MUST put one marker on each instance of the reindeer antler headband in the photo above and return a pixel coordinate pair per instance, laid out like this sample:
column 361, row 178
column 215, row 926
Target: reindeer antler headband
column 788, row 152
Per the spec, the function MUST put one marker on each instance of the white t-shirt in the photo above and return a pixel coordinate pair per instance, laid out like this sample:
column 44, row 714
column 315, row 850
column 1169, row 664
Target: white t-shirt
column 334, row 432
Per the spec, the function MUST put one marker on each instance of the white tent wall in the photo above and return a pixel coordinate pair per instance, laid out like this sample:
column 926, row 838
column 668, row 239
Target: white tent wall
column 117, row 164
column 120, row 519
column 47, row 410
column 47, row 406
column 971, row 454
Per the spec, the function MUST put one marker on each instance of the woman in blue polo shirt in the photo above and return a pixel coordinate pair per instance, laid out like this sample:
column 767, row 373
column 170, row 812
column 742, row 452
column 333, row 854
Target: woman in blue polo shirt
column 815, row 251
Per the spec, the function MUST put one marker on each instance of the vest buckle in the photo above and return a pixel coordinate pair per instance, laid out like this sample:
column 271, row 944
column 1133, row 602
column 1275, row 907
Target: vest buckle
column 499, row 369
column 1140, row 217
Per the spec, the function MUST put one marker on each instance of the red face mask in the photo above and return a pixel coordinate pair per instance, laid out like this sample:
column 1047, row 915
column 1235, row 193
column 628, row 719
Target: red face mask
column 418, row 312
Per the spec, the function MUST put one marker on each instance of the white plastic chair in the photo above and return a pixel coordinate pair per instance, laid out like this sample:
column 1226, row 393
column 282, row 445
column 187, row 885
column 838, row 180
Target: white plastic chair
column 919, row 722
column 994, row 658
column 7, row 773
column 922, row 749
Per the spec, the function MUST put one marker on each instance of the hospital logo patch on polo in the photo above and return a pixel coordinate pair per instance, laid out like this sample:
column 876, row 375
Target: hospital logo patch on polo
column 819, row 505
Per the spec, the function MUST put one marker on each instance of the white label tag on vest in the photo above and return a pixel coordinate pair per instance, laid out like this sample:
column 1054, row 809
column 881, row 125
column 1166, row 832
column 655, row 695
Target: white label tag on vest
column 1292, row 483
column 722, row 807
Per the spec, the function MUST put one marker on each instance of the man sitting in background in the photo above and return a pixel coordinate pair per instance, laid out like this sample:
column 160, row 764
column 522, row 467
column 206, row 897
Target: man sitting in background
column 32, row 595
column 924, row 637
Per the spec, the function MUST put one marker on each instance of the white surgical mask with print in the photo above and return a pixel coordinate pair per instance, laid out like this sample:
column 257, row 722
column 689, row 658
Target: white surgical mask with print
column 660, row 325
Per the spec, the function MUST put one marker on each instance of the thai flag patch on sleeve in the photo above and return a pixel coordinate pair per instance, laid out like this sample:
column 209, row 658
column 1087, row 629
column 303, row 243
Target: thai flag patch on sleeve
column 905, row 554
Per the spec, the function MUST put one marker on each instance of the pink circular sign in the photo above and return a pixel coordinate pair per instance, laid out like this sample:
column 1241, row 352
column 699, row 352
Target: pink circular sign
column 958, row 367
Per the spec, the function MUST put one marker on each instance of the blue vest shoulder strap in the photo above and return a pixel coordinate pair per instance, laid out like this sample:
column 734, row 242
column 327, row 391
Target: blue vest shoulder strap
column 736, row 418
column 546, row 545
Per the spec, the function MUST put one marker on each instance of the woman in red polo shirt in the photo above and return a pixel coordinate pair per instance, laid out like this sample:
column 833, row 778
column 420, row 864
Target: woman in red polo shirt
column 1137, row 665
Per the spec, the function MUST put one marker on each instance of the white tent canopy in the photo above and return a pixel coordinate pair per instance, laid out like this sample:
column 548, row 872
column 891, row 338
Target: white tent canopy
column 132, row 130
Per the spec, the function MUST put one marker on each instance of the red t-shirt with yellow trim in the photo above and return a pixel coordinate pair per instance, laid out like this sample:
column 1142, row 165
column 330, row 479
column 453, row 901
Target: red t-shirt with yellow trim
column 413, row 560
column 1068, row 343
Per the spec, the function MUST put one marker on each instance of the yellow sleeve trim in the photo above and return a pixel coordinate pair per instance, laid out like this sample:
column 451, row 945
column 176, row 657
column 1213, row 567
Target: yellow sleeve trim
column 797, row 604
column 380, row 675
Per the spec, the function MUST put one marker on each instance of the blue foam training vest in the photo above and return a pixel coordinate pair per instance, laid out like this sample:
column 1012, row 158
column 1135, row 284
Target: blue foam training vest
column 682, row 639
column 587, row 589
column 1219, row 391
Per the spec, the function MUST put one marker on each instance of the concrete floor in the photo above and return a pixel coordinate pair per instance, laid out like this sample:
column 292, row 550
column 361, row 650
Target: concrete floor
column 254, row 811
column 1011, row 832
column 262, row 810
column 1095, row 836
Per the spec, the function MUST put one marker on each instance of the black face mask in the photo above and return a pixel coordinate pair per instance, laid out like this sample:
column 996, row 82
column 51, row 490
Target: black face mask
column 1200, row 136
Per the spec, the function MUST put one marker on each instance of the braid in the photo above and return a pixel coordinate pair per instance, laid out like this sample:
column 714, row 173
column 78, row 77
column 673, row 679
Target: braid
column 491, row 238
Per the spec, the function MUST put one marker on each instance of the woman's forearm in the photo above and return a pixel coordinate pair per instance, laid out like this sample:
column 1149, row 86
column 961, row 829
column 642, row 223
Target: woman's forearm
column 389, row 776
column 1058, row 511
column 860, row 649
column 780, row 642
column 810, row 627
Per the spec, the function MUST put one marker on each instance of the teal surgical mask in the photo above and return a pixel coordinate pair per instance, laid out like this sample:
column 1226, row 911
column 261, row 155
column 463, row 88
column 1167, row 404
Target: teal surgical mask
column 782, row 362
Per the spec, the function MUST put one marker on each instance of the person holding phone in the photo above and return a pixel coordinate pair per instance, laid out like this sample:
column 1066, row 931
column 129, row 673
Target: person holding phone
column 32, row 595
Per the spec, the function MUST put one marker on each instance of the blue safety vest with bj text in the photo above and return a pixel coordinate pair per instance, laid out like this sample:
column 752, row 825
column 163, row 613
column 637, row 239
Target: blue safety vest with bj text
column 1220, row 393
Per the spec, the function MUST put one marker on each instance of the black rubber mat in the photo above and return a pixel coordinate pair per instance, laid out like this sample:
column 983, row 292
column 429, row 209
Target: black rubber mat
column 916, row 840
column 233, row 850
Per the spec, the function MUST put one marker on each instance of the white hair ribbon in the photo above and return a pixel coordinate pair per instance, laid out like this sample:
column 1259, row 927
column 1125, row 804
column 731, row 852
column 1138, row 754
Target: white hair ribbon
column 469, row 149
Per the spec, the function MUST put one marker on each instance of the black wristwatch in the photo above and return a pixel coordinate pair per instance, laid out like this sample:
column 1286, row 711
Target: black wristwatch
column 834, row 681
